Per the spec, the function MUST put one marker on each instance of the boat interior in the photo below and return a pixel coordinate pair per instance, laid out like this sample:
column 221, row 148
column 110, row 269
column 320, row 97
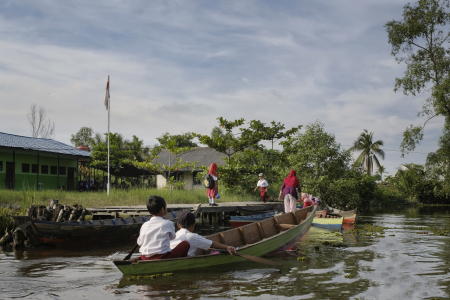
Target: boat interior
column 258, row 231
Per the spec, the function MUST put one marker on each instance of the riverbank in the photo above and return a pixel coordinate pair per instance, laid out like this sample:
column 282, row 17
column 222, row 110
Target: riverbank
column 116, row 197
column 28, row 197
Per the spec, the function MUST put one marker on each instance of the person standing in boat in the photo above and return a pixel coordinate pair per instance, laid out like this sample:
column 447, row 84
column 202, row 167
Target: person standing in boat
column 263, row 184
column 186, row 224
column 211, row 193
column 289, row 191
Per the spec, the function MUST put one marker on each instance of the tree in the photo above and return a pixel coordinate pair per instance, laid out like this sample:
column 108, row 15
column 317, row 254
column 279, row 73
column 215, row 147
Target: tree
column 181, row 140
column 216, row 131
column 138, row 150
column 438, row 163
column 272, row 133
column 171, row 144
column 381, row 170
column 83, row 137
column 229, row 143
column 324, row 169
column 315, row 153
column 118, row 156
column 41, row 125
column 420, row 41
column 368, row 150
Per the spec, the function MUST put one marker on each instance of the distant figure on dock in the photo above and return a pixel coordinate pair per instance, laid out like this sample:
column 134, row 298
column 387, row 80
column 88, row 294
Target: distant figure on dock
column 289, row 192
column 186, row 223
column 263, row 184
column 156, row 234
column 212, row 192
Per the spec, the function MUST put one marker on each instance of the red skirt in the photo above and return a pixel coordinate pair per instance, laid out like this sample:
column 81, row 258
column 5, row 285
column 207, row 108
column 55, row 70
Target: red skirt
column 264, row 193
column 211, row 192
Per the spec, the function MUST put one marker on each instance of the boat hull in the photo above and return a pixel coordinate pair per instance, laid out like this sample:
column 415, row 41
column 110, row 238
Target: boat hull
column 271, row 245
column 350, row 216
column 328, row 223
column 76, row 233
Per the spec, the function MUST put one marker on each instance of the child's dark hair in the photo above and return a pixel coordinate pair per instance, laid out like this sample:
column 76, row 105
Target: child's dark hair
column 155, row 204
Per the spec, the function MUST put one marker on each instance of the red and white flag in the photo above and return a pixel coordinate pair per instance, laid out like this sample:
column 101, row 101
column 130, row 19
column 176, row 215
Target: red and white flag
column 107, row 95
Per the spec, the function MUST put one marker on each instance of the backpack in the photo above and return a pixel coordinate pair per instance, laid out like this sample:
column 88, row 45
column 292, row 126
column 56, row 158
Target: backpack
column 208, row 181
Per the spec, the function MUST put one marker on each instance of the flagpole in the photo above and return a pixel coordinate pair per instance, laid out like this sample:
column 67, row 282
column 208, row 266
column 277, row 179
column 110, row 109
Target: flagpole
column 109, row 176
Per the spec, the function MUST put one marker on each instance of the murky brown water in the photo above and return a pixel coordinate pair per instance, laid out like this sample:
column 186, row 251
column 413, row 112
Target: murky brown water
column 404, row 266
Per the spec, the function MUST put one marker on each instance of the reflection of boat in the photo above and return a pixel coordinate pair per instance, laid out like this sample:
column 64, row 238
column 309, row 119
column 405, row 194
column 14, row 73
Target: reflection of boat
column 237, row 221
column 84, row 232
column 350, row 216
column 268, row 236
column 326, row 221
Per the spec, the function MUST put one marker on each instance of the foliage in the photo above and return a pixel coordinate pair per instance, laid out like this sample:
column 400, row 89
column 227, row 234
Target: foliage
column 315, row 153
column 119, row 154
column 420, row 41
column 176, row 145
column 181, row 140
column 272, row 133
column 139, row 152
column 381, row 170
column 368, row 150
column 438, row 163
column 83, row 137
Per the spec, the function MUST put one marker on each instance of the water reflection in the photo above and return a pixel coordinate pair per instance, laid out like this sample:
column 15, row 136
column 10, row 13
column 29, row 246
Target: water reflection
column 348, row 265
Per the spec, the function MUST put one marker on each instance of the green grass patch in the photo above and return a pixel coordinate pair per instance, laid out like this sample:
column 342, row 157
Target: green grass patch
column 117, row 197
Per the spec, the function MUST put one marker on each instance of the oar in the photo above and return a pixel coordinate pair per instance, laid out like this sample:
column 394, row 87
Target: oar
column 131, row 253
column 259, row 260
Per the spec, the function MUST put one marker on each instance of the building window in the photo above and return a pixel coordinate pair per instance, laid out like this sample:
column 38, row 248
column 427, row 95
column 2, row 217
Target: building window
column 25, row 168
column 34, row 168
column 62, row 170
column 54, row 170
column 195, row 181
column 44, row 169
column 1, row 166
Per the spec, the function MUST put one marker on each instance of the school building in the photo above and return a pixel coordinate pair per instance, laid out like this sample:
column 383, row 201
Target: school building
column 202, row 155
column 38, row 163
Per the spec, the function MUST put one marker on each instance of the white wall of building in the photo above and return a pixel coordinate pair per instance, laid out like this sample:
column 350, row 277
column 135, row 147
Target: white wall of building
column 161, row 181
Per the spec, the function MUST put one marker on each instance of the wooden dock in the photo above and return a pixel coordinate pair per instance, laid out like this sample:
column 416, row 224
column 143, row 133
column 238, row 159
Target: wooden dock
column 203, row 211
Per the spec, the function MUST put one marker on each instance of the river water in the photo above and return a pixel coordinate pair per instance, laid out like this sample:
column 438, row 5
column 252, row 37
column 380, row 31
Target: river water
column 401, row 263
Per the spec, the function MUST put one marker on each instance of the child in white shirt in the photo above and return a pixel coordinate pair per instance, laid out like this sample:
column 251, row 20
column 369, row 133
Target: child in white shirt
column 186, row 223
column 263, row 184
column 156, row 234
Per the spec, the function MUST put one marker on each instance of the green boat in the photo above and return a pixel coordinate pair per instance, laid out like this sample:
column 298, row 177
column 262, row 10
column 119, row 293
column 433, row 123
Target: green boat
column 270, row 236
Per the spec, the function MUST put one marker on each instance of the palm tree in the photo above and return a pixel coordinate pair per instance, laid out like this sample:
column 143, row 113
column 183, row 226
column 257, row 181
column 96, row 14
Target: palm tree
column 369, row 149
column 139, row 151
column 381, row 170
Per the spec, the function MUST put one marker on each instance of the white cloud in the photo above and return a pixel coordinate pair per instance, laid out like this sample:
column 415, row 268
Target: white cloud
column 176, row 66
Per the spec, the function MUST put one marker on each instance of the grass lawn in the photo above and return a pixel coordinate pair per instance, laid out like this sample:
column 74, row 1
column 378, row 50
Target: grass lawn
column 117, row 197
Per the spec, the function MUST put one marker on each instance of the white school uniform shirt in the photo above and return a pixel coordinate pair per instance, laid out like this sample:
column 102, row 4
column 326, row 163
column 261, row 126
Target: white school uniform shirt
column 262, row 183
column 196, row 241
column 155, row 236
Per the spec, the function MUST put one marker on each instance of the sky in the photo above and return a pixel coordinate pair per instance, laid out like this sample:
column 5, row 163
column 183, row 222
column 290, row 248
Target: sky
column 175, row 66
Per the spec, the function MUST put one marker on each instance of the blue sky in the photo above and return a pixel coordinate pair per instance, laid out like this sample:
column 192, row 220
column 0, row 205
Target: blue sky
column 176, row 66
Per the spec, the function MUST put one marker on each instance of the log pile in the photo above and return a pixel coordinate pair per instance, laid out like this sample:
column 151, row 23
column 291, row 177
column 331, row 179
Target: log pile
column 54, row 212
column 57, row 212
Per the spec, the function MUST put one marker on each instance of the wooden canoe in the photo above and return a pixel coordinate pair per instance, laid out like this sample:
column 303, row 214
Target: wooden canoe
column 326, row 221
column 237, row 221
column 270, row 236
column 350, row 216
column 85, row 232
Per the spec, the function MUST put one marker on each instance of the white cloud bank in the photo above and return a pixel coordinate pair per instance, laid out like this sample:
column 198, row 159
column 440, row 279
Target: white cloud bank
column 176, row 66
